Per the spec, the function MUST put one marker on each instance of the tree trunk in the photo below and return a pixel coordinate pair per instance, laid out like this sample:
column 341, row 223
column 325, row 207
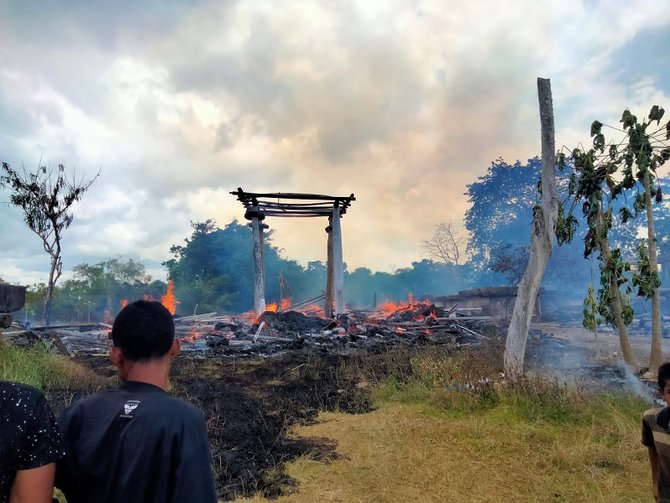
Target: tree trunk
column 656, row 354
column 616, row 306
column 48, row 299
column 543, row 230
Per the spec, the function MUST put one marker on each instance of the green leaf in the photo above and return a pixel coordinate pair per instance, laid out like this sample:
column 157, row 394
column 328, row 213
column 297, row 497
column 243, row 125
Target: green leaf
column 628, row 119
column 596, row 126
column 656, row 114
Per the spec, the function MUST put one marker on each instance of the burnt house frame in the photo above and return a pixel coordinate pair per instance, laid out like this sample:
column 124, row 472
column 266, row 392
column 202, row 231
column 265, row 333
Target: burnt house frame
column 259, row 205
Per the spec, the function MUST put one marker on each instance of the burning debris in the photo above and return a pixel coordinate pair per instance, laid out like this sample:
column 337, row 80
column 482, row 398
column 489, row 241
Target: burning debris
column 277, row 331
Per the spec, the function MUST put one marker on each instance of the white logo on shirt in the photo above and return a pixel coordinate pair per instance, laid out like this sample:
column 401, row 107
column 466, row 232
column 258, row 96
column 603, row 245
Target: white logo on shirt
column 130, row 406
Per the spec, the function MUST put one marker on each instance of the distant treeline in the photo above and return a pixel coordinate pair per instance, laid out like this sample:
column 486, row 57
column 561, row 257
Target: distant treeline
column 213, row 269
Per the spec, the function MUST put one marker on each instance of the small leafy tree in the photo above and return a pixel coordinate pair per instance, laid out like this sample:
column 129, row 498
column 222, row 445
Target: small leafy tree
column 46, row 198
column 624, row 167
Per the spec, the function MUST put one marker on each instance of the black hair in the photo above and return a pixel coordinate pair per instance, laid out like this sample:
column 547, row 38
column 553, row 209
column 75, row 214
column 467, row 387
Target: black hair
column 143, row 330
column 663, row 375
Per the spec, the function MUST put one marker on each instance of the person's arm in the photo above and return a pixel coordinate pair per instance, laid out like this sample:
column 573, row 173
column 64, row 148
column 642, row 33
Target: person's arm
column 653, row 461
column 35, row 485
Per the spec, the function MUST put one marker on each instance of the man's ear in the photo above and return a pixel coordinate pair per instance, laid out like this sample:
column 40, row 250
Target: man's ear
column 176, row 347
column 116, row 356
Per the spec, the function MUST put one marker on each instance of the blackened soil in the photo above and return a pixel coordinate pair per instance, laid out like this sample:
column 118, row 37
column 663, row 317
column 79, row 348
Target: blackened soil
column 250, row 406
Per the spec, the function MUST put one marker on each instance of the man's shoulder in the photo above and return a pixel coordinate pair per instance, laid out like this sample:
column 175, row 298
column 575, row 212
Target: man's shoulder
column 15, row 388
column 651, row 413
column 168, row 404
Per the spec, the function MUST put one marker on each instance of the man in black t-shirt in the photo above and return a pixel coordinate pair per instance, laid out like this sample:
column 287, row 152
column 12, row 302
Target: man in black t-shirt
column 30, row 445
column 137, row 443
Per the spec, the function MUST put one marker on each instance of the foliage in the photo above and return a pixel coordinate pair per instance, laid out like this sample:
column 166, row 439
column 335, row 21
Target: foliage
column 96, row 292
column 613, row 179
column 591, row 319
column 499, row 221
column 644, row 278
column 500, row 208
column 46, row 198
column 510, row 261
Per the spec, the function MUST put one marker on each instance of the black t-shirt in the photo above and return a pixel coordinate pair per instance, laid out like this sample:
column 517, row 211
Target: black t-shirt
column 135, row 444
column 29, row 437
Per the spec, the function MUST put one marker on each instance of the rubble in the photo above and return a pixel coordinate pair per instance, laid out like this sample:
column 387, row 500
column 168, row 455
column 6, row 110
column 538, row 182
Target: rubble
column 212, row 334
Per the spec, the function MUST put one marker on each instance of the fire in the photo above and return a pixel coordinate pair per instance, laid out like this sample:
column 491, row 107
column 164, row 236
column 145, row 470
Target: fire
column 391, row 307
column 169, row 300
column 272, row 307
column 124, row 303
column 285, row 304
column 193, row 335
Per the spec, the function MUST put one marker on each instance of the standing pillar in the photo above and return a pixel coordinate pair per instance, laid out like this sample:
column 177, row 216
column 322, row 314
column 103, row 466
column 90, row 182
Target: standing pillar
column 330, row 296
column 257, row 227
column 338, row 263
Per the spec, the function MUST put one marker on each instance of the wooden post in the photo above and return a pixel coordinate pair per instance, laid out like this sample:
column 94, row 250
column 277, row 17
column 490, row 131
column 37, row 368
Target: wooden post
column 259, row 274
column 328, row 300
column 338, row 263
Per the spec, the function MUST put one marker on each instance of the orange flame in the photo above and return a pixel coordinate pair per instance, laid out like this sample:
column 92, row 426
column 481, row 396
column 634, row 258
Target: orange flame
column 124, row 303
column 285, row 304
column 272, row 307
column 193, row 335
column 169, row 300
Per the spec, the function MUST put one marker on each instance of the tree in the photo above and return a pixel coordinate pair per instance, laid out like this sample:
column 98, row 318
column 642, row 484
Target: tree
column 46, row 198
column 500, row 212
column 544, row 227
column 98, row 288
column 625, row 167
column 445, row 246
column 511, row 261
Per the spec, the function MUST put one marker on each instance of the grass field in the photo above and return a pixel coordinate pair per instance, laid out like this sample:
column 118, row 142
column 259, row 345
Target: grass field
column 433, row 438
column 445, row 428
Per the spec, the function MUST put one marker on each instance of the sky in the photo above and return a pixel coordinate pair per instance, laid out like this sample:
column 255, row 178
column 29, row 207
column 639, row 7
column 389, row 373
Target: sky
column 402, row 103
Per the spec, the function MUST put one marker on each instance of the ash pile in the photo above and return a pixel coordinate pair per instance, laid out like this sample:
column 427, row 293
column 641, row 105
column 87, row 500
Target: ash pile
column 278, row 332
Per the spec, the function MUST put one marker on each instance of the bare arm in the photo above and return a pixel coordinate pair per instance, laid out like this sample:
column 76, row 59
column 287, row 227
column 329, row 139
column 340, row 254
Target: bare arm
column 653, row 461
column 35, row 485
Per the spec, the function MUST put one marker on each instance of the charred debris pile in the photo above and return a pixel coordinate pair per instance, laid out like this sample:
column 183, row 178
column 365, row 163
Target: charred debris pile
column 276, row 332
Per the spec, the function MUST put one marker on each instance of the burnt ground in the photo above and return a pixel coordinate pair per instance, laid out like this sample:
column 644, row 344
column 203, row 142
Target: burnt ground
column 250, row 403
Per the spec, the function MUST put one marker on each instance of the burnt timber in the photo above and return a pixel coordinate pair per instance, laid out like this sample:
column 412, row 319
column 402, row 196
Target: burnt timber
column 259, row 205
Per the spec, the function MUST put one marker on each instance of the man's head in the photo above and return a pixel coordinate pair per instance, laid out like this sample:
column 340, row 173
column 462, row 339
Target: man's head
column 143, row 330
column 664, row 381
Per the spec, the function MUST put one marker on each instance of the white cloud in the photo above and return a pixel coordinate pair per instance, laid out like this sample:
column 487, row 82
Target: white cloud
column 401, row 103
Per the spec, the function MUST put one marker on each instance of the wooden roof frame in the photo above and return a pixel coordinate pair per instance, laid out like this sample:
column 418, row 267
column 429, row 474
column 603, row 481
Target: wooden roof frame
column 287, row 204
column 258, row 205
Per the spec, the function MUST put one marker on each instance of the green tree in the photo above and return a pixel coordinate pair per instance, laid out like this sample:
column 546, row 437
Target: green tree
column 625, row 166
column 46, row 198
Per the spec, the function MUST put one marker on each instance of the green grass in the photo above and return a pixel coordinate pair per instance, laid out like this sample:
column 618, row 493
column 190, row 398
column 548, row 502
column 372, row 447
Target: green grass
column 37, row 367
column 448, row 428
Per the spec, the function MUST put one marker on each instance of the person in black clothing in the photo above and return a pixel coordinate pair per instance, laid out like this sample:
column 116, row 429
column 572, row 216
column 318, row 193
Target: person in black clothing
column 137, row 443
column 30, row 445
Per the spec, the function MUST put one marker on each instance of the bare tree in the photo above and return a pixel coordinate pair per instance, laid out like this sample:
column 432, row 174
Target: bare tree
column 545, row 216
column 46, row 198
column 445, row 246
